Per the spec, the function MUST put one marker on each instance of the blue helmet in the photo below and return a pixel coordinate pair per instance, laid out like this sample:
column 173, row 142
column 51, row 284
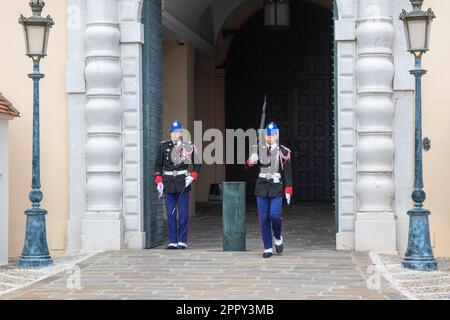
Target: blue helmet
column 176, row 126
column 271, row 129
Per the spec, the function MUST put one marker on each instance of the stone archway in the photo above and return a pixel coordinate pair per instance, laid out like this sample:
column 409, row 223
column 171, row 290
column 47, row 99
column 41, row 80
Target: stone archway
column 375, row 164
column 345, row 137
column 345, row 88
column 369, row 199
column 345, row 42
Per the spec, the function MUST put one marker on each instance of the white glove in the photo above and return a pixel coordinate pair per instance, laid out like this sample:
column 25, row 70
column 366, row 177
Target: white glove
column 254, row 158
column 189, row 180
column 160, row 189
column 288, row 198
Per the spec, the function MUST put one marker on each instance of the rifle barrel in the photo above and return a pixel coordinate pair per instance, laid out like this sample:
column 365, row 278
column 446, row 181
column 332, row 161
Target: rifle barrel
column 263, row 117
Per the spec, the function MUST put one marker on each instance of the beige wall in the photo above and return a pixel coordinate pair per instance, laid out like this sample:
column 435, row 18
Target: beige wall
column 193, row 90
column 210, row 109
column 15, row 85
column 179, row 85
column 210, row 92
column 179, row 90
column 436, row 126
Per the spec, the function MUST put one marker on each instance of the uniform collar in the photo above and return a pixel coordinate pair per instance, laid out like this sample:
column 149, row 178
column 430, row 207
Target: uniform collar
column 273, row 146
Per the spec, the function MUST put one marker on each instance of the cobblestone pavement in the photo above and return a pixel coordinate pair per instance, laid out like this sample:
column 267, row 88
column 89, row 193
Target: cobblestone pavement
column 12, row 277
column 310, row 267
column 414, row 284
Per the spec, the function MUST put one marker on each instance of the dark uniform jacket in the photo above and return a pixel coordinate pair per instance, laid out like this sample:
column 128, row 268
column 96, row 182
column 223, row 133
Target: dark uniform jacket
column 180, row 159
column 280, row 157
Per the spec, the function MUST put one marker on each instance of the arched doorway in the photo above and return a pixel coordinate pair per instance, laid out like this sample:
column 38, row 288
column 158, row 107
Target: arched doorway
column 306, row 50
column 295, row 68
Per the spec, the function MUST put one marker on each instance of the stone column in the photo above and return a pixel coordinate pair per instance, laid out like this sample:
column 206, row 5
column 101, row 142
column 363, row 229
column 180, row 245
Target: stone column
column 4, row 198
column 132, row 39
column 345, row 38
column 101, row 226
column 375, row 222
column 404, row 98
column 76, row 96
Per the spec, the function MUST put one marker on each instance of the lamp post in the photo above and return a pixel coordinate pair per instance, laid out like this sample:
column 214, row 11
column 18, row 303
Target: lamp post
column 277, row 14
column 35, row 252
column 419, row 254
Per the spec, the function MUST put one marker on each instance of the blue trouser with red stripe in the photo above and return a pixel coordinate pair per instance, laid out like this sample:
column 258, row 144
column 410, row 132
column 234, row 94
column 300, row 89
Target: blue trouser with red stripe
column 269, row 210
column 177, row 226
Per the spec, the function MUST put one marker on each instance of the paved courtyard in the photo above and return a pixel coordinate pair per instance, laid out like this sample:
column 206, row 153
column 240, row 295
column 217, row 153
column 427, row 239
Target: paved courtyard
column 310, row 267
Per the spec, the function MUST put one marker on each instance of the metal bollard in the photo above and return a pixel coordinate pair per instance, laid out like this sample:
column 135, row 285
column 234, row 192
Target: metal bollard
column 233, row 215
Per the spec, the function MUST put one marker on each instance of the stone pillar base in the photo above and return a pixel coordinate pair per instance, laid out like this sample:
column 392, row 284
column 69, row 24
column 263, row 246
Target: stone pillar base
column 375, row 235
column 73, row 236
column 101, row 235
column 345, row 241
column 134, row 240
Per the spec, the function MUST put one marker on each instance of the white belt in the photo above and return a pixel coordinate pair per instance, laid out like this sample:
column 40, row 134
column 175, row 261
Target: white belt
column 275, row 176
column 176, row 173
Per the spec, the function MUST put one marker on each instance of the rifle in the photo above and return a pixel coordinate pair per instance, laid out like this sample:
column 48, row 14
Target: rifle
column 262, row 124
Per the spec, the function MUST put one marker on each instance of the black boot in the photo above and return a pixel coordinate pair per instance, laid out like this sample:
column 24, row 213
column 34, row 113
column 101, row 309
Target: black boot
column 267, row 255
column 169, row 247
column 279, row 248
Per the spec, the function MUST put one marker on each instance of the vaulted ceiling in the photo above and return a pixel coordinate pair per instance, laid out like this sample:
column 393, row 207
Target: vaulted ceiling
column 200, row 21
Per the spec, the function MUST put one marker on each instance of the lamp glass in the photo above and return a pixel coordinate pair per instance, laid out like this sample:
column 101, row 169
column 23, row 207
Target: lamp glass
column 283, row 15
column 417, row 35
column 277, row 14
column 269, row 14
column 428, row 33
column 47, row 34
column 36, row 36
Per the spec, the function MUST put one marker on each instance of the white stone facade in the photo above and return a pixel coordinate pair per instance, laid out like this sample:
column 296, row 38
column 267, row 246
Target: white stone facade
column 375, row 127
column 132, row 35
column 375, row 217
column 346, row 92
column 101, row 226
column 4, row 196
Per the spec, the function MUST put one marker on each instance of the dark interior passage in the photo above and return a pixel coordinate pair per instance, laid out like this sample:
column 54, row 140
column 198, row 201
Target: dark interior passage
column 295, row 68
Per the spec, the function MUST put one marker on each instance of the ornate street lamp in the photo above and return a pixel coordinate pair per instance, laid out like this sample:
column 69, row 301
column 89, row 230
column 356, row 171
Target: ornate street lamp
column 419, row 255
column 277, row 14
column 35, row 252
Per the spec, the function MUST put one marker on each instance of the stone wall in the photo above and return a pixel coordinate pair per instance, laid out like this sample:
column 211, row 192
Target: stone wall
column 4, row 195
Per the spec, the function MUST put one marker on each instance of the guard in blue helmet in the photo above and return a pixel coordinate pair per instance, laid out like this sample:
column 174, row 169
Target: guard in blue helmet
column 177, row 167
column 176, row 126
column 274, row 181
